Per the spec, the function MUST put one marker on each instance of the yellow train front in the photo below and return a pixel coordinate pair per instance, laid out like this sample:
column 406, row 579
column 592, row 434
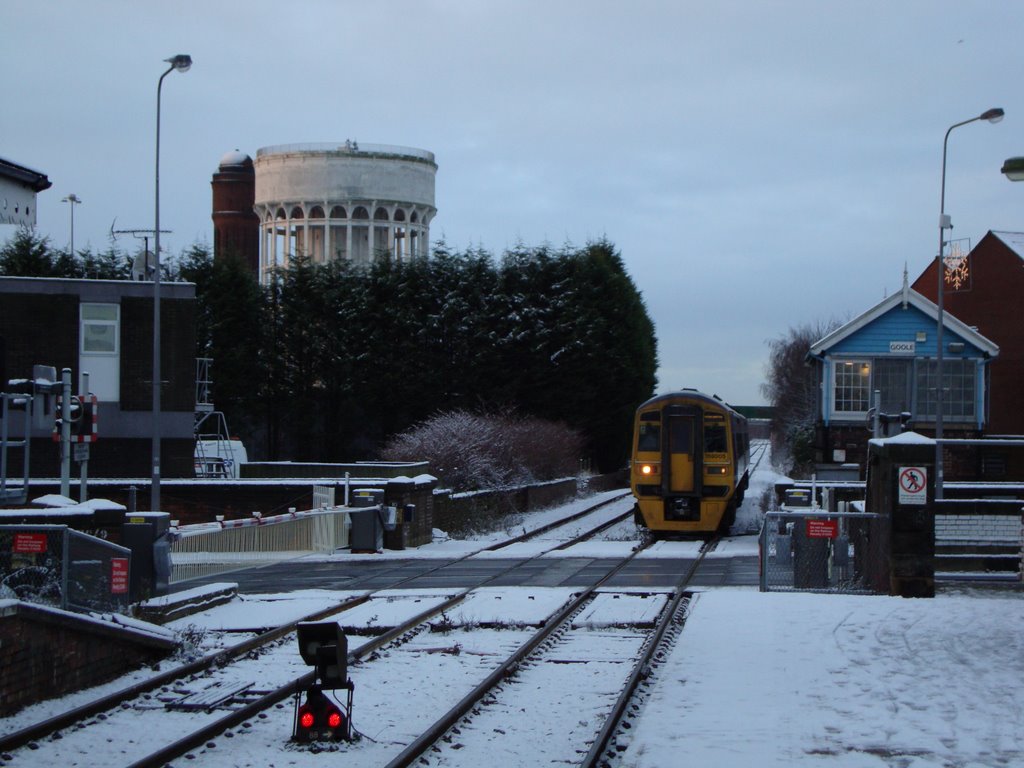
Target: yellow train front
column 690, row 463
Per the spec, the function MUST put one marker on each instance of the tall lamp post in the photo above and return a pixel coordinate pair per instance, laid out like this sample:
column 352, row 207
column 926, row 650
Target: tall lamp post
column 74, row 200
column 181, row 62
column 992, row 116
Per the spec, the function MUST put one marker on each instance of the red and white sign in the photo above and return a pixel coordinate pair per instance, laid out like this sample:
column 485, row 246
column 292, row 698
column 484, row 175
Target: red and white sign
column 822, row 529
column 118, row 575
column 913, row 482
column 29, row 543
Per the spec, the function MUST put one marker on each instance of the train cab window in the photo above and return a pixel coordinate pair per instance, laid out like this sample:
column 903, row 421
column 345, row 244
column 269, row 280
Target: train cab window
column 716, row 439
column 680, row 434
column 649, row 432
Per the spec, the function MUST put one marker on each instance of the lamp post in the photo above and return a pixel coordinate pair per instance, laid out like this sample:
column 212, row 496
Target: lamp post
column 1013, row 168
column 74, row 200
column 181, row 62
column 992, row 116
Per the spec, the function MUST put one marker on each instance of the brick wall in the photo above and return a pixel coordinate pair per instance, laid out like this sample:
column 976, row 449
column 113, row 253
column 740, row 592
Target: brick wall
column 45, row 653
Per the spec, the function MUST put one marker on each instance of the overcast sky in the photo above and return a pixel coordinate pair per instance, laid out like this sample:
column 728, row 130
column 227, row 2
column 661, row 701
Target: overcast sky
column 760, row 165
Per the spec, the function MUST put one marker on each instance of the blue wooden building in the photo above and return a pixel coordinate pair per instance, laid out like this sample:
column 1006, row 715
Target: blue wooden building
column 891, row 350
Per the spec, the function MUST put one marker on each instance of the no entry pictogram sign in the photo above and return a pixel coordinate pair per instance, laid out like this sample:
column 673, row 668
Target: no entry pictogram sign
column 913, row 482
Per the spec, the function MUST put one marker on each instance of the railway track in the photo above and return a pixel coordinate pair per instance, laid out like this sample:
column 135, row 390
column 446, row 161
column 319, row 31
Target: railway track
column 232, row 671
column 554, row 711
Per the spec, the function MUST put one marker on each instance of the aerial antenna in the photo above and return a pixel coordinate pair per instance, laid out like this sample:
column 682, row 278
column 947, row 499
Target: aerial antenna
column 144, row 264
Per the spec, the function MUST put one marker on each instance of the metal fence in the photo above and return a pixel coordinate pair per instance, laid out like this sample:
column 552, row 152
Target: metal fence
column 55, row 565
column 815, row 550
column 209, row 549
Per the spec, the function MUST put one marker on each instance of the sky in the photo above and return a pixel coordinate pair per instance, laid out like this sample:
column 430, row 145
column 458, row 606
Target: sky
column 749, row 160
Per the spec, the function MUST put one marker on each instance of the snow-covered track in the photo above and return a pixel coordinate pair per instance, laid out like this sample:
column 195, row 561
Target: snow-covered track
column 445, row 741
column 574, row 518
column 98, row 711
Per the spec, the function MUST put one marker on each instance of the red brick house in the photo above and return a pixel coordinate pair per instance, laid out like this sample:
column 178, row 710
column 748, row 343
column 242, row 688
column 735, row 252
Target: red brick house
column 988, row 298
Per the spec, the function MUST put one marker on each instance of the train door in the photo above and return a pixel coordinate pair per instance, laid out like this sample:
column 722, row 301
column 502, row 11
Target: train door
column 682, row 459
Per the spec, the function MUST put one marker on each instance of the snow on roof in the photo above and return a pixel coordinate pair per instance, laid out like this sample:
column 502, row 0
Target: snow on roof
column 1013, row 240
column 54, row 500
column 907, row 438
column 235, row 157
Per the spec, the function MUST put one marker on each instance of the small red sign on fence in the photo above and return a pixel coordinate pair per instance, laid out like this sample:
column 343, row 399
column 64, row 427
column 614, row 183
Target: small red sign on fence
column 29, row 543
column 118, row 575
column 822, row 529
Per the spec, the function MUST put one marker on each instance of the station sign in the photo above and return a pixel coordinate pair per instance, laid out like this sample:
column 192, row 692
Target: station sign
column 902, row 347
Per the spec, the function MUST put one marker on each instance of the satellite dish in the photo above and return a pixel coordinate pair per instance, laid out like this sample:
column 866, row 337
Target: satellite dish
column 143, row 266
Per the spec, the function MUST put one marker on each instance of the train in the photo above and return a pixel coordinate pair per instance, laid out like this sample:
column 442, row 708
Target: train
column 690, row 464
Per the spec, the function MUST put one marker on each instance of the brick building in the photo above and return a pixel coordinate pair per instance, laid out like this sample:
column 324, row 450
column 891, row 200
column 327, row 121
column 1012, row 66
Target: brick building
column 105, row 328
column 984, row 294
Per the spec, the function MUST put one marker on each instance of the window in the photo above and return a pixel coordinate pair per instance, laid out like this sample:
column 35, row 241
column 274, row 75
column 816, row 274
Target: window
column 892, row 379
column 680, row 434
column 716, row 440
column 957, row 391
column 100, row 329
column 649, row 433
column 852, row 387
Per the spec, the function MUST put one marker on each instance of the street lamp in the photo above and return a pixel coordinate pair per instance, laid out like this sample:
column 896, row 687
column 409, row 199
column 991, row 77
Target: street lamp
column 74, row 200
column 181, row 62
column 992, row 116
column 1013, row 168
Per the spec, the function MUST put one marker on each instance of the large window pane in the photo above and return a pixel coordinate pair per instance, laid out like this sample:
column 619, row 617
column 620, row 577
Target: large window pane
column 957, row 391
column 892, row 380
column 852, row 386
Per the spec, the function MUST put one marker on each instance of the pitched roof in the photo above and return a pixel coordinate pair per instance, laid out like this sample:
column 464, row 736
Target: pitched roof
column 914, row 299
column 34, row 179
column 1012, row 240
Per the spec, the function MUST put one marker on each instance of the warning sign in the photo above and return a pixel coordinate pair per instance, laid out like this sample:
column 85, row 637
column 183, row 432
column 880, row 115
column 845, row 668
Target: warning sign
column 118, row 575
column 913, row 485
column 822, row 529
column 29, row 543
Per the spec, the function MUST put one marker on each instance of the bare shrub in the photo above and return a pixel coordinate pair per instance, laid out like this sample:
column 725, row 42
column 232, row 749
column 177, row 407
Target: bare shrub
column 470, row 451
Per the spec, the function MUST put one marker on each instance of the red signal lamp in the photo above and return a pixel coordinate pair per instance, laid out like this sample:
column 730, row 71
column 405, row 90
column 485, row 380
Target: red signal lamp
column 320, row 719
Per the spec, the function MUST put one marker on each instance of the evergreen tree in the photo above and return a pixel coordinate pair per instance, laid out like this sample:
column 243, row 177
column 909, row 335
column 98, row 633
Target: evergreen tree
column 29, row 255
column 110, row 264
column 229, row 325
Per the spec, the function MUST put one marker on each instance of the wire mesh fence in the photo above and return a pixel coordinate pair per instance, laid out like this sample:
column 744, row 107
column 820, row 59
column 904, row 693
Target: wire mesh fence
column 55, row 565
column 821, row 551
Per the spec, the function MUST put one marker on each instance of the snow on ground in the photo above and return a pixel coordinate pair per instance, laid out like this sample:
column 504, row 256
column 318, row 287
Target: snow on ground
column 832, row 680
column 755, row 679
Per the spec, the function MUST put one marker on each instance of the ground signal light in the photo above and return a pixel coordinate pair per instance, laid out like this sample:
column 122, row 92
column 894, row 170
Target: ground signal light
column 320, row 719
column 323, row 645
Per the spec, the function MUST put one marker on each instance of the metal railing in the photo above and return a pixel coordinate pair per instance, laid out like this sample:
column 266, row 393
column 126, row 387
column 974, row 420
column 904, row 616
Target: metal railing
column 55, row 565
column 211, row 548
column 814, row 550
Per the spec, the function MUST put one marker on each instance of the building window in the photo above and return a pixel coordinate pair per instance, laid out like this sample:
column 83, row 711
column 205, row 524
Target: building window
column 958, row 394
column 100, row 334
column 892, row 379
column 852, row 388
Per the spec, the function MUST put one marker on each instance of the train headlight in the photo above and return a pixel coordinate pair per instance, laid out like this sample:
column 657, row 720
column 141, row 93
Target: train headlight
column 721, row 471
column 648, row 469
